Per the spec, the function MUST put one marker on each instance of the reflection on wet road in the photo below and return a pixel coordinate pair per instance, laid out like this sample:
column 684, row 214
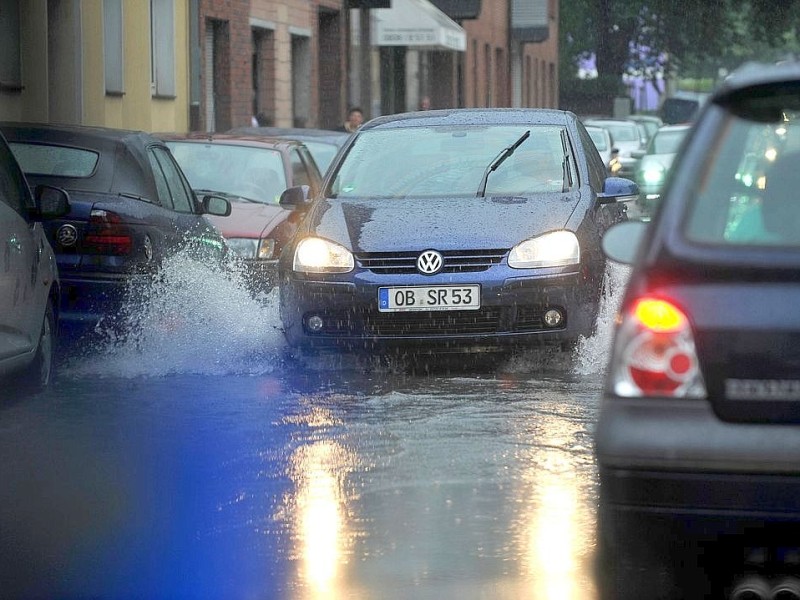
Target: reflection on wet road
column 309, row 486
column 240, row 475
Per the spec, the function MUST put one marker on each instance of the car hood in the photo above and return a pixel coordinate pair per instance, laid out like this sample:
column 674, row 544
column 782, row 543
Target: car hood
column 249, row 220
column 388, row 225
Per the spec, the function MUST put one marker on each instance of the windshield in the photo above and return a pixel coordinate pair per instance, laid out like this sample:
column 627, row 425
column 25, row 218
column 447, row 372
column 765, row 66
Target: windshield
column 749, row 197
column 450, row 161
column 598, row 137
column 243, row 171
column 667, row 142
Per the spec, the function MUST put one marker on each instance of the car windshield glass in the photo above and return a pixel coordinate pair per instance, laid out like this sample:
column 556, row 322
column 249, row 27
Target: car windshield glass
column 599, row 138
column 450, row 161
column 322, row 152
column 623, row 132
column 667, row 142
column 244, row 171
column 58, row 161
column 749, row 197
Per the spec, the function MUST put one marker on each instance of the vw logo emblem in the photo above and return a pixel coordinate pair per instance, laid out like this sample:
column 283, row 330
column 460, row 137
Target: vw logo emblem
column 430, row 262
column 67, row 235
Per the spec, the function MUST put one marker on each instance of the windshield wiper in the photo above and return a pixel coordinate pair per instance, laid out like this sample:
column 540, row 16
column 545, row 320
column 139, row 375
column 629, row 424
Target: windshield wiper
column 227, row 195
column 493, row 166
column 566, row 172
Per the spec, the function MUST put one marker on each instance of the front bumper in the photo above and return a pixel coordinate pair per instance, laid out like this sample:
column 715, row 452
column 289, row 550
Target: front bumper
column 511, row 313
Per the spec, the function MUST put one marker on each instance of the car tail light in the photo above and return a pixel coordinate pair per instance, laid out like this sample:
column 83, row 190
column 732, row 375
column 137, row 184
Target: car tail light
column 654, row 353
column 107, row 234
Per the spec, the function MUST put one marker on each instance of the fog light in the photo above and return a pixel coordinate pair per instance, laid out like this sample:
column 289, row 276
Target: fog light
column 314, row 324
column 553, row 318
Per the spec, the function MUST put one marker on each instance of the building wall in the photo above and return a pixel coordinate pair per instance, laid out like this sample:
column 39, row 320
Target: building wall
column 485, row 81
column 136, row 108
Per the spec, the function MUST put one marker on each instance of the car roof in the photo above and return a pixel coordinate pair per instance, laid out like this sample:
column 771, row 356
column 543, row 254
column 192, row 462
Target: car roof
column 676, row 127
column 231, row 139
column 755, row 74
column 300, row 133
column 470, row 116
column 122, row 167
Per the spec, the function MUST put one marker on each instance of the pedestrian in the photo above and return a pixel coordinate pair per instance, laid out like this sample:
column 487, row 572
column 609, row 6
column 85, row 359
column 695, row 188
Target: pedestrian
column 355, row 117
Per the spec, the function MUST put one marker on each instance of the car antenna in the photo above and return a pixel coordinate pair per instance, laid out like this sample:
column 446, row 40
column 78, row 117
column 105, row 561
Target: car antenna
column 495, row 164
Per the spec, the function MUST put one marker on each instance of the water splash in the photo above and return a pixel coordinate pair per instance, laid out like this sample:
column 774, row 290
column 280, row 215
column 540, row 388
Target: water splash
column 192, row 318
column 592, row 353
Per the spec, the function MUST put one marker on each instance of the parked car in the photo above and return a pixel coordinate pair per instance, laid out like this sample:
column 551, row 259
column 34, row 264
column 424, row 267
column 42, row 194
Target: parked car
column 627, row 140
column 322, row 143
column 472, row 229
column 698, row 439
column 29, row 285
column 654, row 166
column 602, row 141
column 251, row 172
column 130, row 208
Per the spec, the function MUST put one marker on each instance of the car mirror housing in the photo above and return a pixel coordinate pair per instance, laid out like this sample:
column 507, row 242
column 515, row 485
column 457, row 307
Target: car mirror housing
column 621, row 242
column 618, row 189
column 216, row 205
column 51, row 202
column 295, row 198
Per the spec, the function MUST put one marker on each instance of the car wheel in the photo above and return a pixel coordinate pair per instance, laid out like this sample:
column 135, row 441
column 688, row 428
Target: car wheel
column 37, row 375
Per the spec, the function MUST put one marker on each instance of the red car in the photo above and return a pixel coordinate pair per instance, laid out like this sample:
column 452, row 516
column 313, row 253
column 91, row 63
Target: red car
column 252, row 172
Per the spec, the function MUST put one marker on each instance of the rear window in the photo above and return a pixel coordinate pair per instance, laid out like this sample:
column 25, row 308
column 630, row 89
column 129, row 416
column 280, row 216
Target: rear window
column 56, row 161
column 749, row 192
column 667, row 142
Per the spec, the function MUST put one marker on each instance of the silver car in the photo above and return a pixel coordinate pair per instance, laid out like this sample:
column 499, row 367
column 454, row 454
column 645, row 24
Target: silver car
column 28, row 278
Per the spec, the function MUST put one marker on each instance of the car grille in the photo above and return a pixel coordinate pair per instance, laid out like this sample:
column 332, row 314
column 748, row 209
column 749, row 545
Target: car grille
column 455, row 261
column 487, row 320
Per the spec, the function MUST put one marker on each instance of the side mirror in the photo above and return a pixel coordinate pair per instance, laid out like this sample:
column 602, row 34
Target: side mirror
column 216, row 205
column 51, row 202
column 621, row 242
column 618, row 189
column 296, row 198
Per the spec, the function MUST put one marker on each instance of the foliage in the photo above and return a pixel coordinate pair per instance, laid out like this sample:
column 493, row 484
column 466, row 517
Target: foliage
column 694, row 37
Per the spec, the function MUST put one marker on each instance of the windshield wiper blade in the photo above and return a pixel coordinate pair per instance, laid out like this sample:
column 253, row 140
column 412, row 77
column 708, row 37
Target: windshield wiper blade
column 227, row 195
column 495, row 164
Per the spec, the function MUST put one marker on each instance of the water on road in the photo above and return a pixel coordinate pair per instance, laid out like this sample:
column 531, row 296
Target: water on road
column 191, row 459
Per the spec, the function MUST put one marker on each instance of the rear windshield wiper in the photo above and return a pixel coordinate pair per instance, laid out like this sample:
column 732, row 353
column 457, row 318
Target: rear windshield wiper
column 493, row 166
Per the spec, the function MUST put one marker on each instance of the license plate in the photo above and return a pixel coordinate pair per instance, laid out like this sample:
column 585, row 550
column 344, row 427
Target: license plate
column 440, row 297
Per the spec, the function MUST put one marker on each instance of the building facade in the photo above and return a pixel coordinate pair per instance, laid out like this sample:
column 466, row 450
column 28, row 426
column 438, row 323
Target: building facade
column 210, row 65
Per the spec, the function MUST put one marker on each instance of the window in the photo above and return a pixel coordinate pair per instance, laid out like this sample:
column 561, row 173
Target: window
column 12, row 185
column 746, row 195
column 299, row 170
column 162, row 57
column 179, row 192
column 10, row 68
column 113, row 45
column 58, row 161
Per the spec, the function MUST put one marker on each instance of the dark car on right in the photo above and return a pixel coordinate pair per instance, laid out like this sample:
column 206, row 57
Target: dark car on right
column 698, row 438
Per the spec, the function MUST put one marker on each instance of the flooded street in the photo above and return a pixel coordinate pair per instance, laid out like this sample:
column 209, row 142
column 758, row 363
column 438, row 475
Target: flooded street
column 196, row 459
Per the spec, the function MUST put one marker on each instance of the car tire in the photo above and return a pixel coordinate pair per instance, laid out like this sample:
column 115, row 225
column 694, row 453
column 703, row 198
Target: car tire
column 39, row 372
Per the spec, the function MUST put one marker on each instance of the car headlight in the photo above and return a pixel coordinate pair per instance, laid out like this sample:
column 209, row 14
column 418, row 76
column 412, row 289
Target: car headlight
column 250, row 248
column 315, row 255
column 554, row 249
column 653, row 175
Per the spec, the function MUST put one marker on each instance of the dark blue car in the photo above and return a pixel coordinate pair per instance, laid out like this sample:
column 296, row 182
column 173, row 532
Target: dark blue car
column 453, row 230
column 130, row 208
column 698, row 437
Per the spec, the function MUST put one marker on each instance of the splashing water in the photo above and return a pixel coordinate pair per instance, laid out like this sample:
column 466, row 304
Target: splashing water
column 193, row 318
column 591, row 354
